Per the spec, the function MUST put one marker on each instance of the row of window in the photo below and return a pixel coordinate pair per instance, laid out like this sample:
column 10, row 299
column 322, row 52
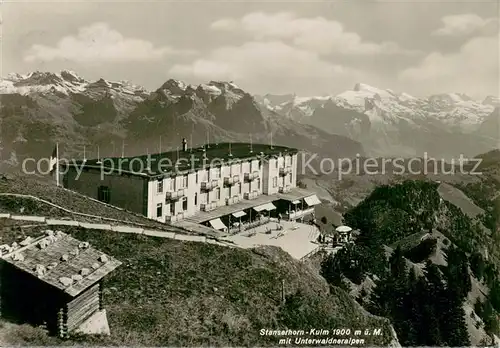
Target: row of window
column 185, row 183
column 216, row 174
column 159, row 206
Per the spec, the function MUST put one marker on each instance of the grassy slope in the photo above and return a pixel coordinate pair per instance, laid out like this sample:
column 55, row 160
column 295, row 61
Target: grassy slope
column 169, row 292
column 65, row 198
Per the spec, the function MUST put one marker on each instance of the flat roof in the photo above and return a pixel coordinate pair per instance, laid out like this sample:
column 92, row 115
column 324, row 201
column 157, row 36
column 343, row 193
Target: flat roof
column 202, row 216
column 163, row 163
column 57, row 257
column 295, row 193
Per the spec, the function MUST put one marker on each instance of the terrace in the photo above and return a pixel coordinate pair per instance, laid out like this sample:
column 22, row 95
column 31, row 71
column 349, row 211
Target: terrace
column 230, row 209
column 297, row 239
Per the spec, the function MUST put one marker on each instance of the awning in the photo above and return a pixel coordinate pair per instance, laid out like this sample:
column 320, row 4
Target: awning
column 260, row 207
column 296, row 201
column 270, row 206
column 239, row 214
column 217, row 224
column 312, row 200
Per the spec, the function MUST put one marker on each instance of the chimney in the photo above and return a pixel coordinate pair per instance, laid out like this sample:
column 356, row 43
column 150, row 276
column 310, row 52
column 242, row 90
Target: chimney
column 184, row 144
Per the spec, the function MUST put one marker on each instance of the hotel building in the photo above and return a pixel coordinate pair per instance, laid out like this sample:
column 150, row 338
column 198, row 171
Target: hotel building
column 226, row 186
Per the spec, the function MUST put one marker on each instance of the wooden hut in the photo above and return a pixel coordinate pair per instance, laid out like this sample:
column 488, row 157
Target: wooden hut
column 55, row 281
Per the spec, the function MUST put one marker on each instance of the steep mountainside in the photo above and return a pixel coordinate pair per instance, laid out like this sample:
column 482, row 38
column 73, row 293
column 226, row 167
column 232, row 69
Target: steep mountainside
column 220, row 111
column 170, row 292
column 435, row 245
column 39, row 109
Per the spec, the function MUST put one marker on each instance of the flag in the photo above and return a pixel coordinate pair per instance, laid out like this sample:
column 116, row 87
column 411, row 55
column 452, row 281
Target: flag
column 53, row 159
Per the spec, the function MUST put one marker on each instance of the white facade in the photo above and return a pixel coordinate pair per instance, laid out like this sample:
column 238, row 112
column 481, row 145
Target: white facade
column 174, row 198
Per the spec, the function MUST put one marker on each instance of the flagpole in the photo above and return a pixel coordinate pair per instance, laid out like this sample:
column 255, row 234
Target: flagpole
column 123, row 148
column 57, row 164
column 84, row 157
column 160, row 143
column 177, row 159
column 251, row 147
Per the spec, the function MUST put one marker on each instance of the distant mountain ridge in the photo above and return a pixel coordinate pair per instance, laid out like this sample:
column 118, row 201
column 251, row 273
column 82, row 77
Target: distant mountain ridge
column 398, row 124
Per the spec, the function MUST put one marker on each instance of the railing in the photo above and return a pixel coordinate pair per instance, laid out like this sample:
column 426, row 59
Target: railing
column 232, row 200
column 231, row 180
column 251, row 176
column 250, row 195
column 257, row 223
column 173, row 195
column 208, row 206
column 285, row 170
column 209, row 185
column 284, row 189
column 299, row 213
column 174, row 218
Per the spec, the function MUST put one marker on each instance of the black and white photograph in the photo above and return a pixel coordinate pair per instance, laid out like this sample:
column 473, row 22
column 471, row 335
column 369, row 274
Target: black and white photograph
column 268, row 173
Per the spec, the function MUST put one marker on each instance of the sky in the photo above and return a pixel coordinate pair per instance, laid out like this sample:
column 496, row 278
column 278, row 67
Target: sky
column 307, row 48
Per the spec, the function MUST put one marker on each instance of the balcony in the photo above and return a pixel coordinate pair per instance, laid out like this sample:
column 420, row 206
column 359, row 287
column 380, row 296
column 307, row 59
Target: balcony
column 251, row 176
column 284, row 171
column 284, row 189
column 232, row 200
column 231, row 180
column 208, row 206
column 209, row 185
column 174, row 195
column 299, row 214
column 250, row 195
column 174, row 218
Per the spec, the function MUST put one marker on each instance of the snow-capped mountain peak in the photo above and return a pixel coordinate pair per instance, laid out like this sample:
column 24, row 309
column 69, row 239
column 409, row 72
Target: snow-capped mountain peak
column 449, row 98
column 65, row 83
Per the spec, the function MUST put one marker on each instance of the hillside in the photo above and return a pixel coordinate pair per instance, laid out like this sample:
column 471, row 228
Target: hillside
column 413, row 238
column 187, row 294
column 42, row 108
column 48, row 191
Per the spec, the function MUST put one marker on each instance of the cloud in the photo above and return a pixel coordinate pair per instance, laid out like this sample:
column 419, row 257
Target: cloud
column 270, row 66
column 99, row 43
column 224, row 24
column 474, row 69
column 466, row 24
column 316, row 34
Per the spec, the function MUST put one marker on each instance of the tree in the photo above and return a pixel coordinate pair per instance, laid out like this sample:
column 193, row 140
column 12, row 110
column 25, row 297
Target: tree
column 494, row 295
column 331, row 270
column 477, row 265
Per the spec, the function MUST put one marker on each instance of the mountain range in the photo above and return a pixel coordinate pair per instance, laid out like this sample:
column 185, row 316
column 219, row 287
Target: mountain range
column 398, row 124
column 41, row 108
